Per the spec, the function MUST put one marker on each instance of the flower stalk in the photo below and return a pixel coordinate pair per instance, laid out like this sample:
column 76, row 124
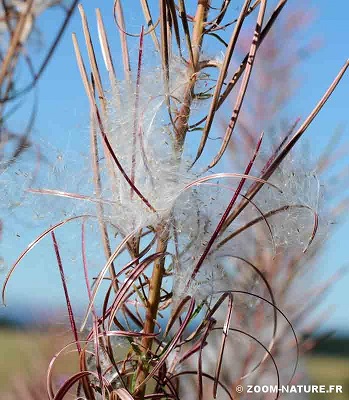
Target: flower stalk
column 181, row 125
column 152, row 307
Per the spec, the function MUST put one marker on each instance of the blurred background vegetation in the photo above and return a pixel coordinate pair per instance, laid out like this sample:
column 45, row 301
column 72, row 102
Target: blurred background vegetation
column 26, row 352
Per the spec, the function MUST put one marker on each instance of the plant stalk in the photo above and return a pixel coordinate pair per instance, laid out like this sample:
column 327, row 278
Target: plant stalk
column 155, row 285
column 181, row 125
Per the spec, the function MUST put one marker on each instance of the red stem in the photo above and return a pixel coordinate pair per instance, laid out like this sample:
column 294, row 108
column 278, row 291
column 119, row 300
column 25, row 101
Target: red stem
column 66, row 293
column 227, row 212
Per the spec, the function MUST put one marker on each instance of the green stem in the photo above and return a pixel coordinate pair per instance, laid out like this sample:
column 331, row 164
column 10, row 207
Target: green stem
column 155, row 285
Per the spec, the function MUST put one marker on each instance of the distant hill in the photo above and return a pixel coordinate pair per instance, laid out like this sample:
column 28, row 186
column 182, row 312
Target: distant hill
column 334, row 346
column 6, row 323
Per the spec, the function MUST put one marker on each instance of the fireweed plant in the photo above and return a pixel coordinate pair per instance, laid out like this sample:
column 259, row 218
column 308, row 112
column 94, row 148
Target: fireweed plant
column 23, row 59
column 187, row 283
column 24, row 56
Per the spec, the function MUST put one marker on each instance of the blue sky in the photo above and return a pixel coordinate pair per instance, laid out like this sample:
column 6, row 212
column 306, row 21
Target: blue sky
column 62, row 122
